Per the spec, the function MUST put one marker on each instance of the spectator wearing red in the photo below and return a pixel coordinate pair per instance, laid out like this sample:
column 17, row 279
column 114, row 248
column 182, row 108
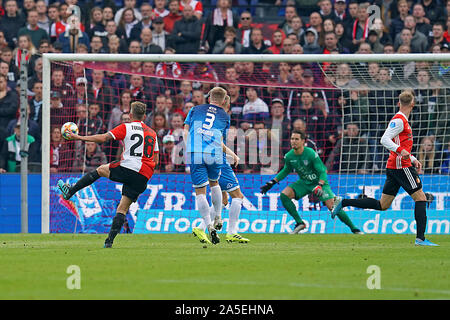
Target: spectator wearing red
column 277, row 41
column 159, row 9
column 173, row 16
column 197, row 6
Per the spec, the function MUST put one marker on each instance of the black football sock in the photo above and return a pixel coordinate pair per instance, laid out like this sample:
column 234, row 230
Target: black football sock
column 86, row 180
column 364, row 203
column 116, row 226
column 420, row 214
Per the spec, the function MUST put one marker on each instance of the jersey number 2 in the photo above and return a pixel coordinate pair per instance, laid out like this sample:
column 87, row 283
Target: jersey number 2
column 149, row 143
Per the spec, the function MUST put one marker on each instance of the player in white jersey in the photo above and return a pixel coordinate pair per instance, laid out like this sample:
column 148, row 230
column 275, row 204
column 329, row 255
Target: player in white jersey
column 133, row 170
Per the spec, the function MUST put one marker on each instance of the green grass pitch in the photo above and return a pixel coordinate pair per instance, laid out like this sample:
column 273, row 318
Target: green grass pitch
column 177, row 267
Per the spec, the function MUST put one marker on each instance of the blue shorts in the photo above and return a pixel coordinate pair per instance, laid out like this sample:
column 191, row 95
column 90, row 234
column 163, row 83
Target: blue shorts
column 203, row 172
column 228, row 181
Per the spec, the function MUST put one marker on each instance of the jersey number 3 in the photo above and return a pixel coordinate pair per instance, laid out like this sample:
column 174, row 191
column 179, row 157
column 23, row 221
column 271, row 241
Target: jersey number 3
column 149, row 143
column 209, row 121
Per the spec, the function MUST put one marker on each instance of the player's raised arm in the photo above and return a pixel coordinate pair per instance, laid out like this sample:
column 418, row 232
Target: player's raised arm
column 229, row 152
column 98, row 138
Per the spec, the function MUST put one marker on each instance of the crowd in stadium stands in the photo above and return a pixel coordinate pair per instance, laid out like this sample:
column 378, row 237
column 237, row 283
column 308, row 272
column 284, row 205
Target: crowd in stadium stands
column 281, row 96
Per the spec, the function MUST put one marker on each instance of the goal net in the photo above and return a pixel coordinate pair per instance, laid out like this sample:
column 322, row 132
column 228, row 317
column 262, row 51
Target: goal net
column 344, row 106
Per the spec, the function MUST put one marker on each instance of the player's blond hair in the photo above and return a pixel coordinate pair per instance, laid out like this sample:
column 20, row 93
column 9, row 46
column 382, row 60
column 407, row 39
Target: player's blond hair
column 406, row 98
column 138, row 110
column 218, row 94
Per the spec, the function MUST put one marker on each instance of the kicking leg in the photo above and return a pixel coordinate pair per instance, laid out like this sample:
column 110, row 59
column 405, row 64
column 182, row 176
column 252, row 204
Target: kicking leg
column 86, row 180
column 342, row 215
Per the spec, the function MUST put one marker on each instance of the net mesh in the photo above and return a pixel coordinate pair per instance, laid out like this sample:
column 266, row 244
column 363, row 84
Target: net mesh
column 343, row 107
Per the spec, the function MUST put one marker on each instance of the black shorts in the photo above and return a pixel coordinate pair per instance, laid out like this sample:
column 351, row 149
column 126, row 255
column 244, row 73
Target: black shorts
column 407, row 178
column 133, row 182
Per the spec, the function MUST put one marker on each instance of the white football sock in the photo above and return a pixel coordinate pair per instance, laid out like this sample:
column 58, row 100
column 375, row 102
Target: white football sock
column 235, row 211
column 212, row 214
column 203, row 208
column 216, row 199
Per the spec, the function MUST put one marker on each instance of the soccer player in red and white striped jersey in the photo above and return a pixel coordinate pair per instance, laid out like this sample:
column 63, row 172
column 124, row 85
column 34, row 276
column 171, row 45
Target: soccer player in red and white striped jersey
column 133, row 170
column 400, row 171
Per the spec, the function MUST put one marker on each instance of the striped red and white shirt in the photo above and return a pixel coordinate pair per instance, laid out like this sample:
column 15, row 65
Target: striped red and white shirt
column 140, row 147
column 398, row 136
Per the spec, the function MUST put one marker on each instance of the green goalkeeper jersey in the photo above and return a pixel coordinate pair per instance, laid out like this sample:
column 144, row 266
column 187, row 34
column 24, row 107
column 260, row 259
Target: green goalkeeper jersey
column 308, row 166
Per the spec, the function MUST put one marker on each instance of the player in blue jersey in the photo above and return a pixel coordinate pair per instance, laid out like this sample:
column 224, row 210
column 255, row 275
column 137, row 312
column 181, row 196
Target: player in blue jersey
column 205, row 128
column 229, row 184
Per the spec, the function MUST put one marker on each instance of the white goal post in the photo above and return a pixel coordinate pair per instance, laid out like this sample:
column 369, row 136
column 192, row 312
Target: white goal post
column 276, row 58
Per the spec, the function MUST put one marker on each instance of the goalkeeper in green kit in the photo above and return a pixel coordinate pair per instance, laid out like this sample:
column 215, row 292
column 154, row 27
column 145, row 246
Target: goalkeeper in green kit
column 312, row 175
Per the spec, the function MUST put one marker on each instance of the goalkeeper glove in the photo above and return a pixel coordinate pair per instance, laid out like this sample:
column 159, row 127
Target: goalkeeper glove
column 268, row 186
column 318, row 191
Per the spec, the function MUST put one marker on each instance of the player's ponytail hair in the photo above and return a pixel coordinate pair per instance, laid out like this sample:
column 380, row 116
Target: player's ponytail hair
column 138, row 110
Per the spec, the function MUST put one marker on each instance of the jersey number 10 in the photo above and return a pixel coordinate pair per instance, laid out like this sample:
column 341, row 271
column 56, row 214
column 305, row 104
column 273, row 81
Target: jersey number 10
column 149, row 143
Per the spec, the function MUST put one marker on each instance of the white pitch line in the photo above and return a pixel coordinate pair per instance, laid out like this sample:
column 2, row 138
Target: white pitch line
column 297, row 284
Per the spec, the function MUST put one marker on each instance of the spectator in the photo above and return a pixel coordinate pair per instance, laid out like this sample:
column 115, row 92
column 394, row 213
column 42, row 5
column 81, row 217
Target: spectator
column 177, row 127
column 32, row 29
column 254, row 106
column 257, row 45
column 438, row 34
column 313, row 117
column 24, row 45
column 44, row 21
column 360, row 26
column 332, row 44
column 10, row 157
column 58, row 114
column 357, row 111
column 350, row 154
column 196, row 6
column 146, row 22
column 160, row 125
column 166, row 163
column 126, row 23
column 326, row 10
column 97, row 45
column 380, row 29
column 343, row 40
column 228, row 40
column 35, row 103
column 11, row 22
column 427, row 155
column 340, row 11
column 90, row 160
column 243, row 33
column 102, row 93
column 63, row 24
column 422, row 23
column 53, row 16
column 277, row 42
column 445, row 165
column 72, row 37
column 186, row 32
column 61, row 154
column 147, row 46
column 353, row 6
column 160, row 9
column 218, row 22
column 160, row 36
column 202, row 70
column 315, row 22
column 280, row 124
column 96, row 26
column 9, row 102
column 113, row 44
column 129, row 4
column 418, row 42
column 95, row 121
column 289, row 14
column 433, row 10
column 398, row 23
column 124, row 106
column 311, row 42
column 4, row 69
column 374, row 41
column 173, row 16
column 124, row 118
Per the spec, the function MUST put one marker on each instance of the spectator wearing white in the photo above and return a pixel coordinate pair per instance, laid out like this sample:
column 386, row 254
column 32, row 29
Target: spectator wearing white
column 129, row 4
column 254, row 106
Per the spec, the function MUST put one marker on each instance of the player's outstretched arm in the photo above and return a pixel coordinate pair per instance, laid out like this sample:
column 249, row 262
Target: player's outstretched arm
column 98, row 138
